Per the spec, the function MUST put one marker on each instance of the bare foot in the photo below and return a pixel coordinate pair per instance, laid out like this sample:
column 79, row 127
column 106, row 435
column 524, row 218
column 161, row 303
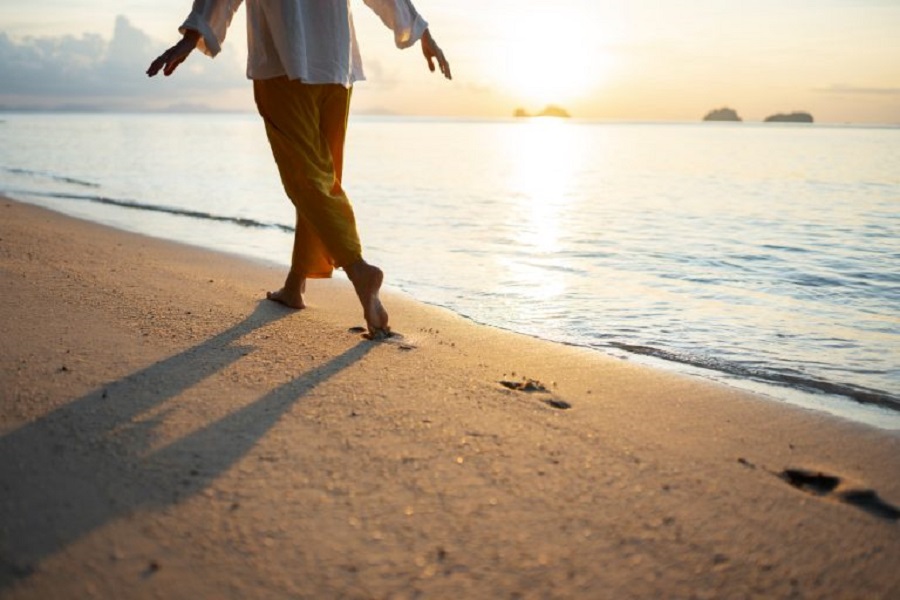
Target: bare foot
column 367, row 281
column 292, row 293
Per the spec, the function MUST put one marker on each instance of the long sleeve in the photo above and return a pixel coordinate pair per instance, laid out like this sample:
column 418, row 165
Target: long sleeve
column 400, row 16
column 211, row 18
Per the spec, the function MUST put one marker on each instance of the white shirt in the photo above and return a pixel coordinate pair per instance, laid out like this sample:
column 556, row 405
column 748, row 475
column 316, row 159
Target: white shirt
column 310, row 40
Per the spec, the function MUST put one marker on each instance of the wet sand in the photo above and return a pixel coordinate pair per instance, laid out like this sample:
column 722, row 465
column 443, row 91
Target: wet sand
column 165, row 432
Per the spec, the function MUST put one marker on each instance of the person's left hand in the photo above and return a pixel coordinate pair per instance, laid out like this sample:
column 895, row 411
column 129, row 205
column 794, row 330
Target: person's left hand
column 433, row 52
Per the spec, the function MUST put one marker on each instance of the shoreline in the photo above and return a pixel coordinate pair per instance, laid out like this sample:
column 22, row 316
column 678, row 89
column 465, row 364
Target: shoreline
column 860, row 405
column 161, row 421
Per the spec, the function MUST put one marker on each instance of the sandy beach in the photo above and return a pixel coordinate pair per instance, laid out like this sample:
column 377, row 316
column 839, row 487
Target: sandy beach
column 165, row 432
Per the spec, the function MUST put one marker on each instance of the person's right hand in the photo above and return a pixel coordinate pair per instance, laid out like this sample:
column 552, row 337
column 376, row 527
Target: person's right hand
column 169, row 60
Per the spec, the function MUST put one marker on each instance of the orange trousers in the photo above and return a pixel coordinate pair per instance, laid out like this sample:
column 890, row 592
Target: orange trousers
column 307, row 125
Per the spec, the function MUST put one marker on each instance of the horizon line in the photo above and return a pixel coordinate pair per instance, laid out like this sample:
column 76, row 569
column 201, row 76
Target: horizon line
column 202, row 109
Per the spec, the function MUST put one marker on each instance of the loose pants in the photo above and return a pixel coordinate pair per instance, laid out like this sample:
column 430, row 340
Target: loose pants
column 306, row 126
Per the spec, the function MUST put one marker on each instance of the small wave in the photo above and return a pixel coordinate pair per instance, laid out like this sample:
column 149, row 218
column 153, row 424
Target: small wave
column 876, row 277
column 782, row 248
column 809, row 280
column 860, row 394
column 45, row 175
column 195, row 214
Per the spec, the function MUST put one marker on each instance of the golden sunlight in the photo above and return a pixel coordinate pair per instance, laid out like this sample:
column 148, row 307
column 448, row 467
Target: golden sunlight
column 545, row 156
column 550, row 55
column 545, row 159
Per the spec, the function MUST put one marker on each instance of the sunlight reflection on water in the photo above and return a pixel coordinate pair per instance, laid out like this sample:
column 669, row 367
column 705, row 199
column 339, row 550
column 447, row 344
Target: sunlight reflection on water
column 766, row 252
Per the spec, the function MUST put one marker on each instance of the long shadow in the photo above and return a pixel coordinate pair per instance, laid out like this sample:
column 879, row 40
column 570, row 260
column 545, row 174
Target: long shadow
column 76, row 469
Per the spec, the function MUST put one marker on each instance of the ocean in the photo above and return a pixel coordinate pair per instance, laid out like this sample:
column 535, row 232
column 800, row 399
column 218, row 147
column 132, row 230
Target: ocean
column 763, row 256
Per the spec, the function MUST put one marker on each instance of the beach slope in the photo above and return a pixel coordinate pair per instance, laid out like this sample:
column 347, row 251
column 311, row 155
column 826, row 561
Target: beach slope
column 165, row 432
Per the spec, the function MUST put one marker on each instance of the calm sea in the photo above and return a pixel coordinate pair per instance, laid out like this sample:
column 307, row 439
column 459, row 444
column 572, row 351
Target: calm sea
column 764, row 256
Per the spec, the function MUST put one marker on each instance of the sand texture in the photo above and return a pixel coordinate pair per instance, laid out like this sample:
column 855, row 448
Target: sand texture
column 167, row 433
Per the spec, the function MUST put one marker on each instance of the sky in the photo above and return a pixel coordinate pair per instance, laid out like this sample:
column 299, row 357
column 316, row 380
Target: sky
column 600, row 59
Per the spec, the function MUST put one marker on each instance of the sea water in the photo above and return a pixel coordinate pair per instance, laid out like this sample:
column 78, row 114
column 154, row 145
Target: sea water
column 764, row 256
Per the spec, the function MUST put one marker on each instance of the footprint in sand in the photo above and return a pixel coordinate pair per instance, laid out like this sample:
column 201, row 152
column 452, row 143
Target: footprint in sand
column 391, row 337
column 821, row 484
column 532, row 385
column 526, row 385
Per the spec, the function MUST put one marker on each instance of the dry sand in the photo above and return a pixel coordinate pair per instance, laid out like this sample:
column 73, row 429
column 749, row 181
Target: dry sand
column 165, row 433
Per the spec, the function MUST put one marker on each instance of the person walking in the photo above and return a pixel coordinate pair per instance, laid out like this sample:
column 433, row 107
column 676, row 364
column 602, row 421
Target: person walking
column 304, row 59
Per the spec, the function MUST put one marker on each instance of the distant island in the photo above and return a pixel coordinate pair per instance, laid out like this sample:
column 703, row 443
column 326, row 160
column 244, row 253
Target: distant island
column 729, row 114
column 794, row 117
column 722, row 114
column 550, row 110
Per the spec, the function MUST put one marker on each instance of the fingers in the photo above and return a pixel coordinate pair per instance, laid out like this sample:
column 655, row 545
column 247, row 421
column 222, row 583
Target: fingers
column 169, row 60
column 432, row 51
column 173, row 64
column 155, row 66
column 166, row 62
column 442, row 64
column 445, row 66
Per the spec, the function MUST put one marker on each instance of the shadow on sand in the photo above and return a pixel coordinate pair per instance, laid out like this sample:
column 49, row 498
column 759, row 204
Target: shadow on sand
column 74, row 470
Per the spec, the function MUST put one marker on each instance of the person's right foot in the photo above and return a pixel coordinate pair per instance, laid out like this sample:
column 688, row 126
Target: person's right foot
column 367, row 281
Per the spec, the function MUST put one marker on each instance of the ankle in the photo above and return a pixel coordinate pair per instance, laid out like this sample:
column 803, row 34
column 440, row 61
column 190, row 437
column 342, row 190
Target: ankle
column 294, row 277
column 355, row 269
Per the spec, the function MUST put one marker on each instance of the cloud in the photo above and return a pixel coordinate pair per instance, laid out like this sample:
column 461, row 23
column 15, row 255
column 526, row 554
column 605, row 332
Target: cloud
column 839, row 88
column 50, row 72
column 380, row 78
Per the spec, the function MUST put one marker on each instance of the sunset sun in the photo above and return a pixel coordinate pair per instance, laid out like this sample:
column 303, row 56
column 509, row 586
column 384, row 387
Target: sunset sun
column 550, row 57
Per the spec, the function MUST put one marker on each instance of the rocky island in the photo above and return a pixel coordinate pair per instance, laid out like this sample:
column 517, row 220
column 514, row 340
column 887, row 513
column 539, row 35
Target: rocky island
column 794, row 117
column 722, row 114
column 550, row 110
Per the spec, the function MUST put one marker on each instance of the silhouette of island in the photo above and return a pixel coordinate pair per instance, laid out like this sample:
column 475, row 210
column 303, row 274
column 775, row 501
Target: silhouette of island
column 794, row 117
column 722, row 114
column 551, row 110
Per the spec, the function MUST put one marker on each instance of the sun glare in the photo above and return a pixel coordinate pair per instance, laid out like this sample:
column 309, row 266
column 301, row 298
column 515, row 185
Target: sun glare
column 544, row 156
column 550, row 55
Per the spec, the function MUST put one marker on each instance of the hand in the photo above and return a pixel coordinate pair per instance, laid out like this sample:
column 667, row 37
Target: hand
column 169, row 60
column 432, row 51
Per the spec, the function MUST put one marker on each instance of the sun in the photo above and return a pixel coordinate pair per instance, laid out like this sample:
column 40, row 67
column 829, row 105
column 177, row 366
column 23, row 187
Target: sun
column 550, row 55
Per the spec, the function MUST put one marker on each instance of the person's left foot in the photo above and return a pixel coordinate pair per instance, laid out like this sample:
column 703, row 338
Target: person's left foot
column 283, row 296
column 292, row 293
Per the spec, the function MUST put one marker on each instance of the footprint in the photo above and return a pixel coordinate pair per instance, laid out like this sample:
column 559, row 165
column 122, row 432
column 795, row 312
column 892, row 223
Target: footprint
column 808, row 481
column 821, row 484
column 533, row 385
column 392, row 337
column 528, row 385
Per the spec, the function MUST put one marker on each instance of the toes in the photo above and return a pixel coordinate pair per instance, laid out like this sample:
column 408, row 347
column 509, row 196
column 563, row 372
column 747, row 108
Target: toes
column 378, row 321
column 379, row 333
